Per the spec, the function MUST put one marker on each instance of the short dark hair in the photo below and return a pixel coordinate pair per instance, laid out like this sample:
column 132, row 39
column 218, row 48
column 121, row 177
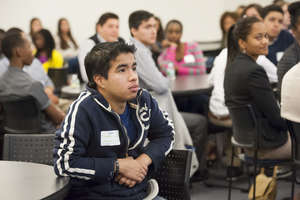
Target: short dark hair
column 256, row 6
column 97, row 61
column 294, row 10
column 2, row 34
column 11, row 41
column 137, row 17
column 175, row 21
column 271, row 8
column 106, row 16
column 13, row 30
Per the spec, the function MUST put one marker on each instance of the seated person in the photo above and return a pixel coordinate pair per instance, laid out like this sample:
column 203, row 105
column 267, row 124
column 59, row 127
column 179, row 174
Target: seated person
column 34, row 27
column 253, row 10
column 226, row 21
column 249, row 84
column 280, row 39
column 45, row 50
column 191, row 128
column 107, row 30
column 186, row 58
column 290, row 98
column 15, row 83
column 35, row 70
column 104, row 153
column 66, row 45
column 291, row 55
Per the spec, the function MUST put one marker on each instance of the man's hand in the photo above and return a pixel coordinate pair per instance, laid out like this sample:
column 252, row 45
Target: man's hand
column 124, row 180
column 132, row 169
column 144, row 161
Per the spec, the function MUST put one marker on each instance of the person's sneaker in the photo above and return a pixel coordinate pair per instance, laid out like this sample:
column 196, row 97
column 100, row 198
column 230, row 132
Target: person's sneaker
column 199, row 175
column 284, row 172
column 234, row 173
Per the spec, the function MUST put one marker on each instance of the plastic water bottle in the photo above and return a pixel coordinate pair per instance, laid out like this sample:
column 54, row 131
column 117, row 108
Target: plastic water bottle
column 171, row 71
column 75, row 83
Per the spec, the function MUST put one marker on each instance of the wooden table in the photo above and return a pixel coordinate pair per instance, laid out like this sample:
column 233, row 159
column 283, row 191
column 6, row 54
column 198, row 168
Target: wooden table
column 190, row 85
column 29, row 181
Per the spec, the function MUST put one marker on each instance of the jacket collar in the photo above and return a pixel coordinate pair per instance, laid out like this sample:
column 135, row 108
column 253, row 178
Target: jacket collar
column 98, row 97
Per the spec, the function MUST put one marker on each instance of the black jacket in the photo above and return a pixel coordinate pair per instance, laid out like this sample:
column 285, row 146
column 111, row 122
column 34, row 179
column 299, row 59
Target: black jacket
column 247, row 83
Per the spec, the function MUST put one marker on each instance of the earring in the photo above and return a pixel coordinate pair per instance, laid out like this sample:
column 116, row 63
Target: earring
column 243, row 50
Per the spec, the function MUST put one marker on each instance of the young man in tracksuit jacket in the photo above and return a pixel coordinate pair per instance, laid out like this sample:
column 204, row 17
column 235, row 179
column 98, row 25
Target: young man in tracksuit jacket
column 101, row 143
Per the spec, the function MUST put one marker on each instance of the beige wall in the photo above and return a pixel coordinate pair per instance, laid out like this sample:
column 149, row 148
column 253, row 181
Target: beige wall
column 200, row 17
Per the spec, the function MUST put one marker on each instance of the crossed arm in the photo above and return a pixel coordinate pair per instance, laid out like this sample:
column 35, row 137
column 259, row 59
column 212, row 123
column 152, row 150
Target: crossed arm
column 133, row 171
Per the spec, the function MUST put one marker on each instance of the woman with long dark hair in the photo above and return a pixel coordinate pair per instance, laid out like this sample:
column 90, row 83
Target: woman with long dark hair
column 67, row 45
column 246, row 82
column 45, row 50
column 35, row 26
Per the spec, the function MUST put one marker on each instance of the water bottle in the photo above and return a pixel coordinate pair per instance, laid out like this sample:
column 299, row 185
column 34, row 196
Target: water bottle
column 171, row 71
column 75, row 83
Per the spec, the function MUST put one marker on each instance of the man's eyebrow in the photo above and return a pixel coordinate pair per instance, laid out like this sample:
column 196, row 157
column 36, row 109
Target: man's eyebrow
column 122, row 65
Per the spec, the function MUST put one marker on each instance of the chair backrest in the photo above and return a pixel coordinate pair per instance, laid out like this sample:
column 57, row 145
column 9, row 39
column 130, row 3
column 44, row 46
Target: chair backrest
column 173, row 175
column 59, row 76
column 37, row 148
column 21, row 116
column 294, row 129
column 244, row 125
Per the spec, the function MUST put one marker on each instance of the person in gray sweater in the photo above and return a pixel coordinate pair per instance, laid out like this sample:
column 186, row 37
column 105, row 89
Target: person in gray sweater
column 143, row 32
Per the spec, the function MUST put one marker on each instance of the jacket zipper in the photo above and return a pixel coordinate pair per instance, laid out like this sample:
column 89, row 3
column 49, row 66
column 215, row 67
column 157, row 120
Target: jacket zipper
column 124, row 130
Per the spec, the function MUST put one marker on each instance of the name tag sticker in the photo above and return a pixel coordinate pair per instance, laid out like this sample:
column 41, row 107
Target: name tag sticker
column 189, row 59
column 110, row 138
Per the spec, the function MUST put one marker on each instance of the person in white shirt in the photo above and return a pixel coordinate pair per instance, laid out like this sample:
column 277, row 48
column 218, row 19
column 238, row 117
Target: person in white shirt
column 107, row 30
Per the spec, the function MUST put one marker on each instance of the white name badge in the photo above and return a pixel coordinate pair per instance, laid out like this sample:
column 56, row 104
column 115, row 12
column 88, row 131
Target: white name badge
column 110, row 138
column 189, row 59
column 279, row 55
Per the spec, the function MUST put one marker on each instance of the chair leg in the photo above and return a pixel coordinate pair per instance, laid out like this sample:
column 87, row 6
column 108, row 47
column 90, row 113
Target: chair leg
column 249, row 178
column 230, row 178
column 254, row 176
column 293, row 182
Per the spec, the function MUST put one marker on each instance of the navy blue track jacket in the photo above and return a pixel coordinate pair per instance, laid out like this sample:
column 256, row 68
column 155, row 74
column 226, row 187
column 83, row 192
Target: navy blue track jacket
column 81, row 153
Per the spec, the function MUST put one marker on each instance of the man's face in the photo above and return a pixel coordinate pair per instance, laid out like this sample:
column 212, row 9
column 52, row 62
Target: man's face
column 109, row 30
column 25, row 52
column 274, row 23
column 122, row 82
column 146, row 32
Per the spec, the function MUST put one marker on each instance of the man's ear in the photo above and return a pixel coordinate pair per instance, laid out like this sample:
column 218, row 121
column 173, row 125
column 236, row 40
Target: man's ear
column 133, row 31
column 17, row 51
column 98, row 28
column 100, row 81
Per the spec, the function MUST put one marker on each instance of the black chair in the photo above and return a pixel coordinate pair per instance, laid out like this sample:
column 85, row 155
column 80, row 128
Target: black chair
column 21, row 116
column 37, row 148
column 59, row 76
column 173, row 175
column 294, row 129
column 246, row 134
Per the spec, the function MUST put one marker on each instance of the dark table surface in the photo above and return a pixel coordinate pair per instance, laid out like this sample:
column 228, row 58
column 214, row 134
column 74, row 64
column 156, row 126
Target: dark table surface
column 24, row 180
column 190, row 85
